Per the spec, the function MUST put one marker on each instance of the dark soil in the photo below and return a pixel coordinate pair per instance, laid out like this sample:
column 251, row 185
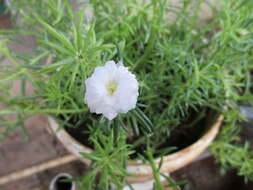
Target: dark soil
column 186, row 134
column 80, row 134
column 181, row 137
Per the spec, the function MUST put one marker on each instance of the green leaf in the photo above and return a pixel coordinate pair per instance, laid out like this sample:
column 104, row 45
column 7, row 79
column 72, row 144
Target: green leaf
column 60, row 37
column 54, row 67
column 56, row 47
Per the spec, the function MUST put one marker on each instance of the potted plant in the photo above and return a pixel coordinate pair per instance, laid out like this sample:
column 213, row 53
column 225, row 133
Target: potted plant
column 133, row 92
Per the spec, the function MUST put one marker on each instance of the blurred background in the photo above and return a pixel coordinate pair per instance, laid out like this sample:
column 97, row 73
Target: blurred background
column 40, row 151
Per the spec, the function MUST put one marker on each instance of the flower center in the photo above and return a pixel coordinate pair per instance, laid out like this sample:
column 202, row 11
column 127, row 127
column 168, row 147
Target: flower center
column 111, row 87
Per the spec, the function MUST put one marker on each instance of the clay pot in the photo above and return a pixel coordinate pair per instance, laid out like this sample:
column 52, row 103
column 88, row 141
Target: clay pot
column 143, row 172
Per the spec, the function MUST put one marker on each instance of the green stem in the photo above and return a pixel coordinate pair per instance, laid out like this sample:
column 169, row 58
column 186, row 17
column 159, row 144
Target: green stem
column 45, row 111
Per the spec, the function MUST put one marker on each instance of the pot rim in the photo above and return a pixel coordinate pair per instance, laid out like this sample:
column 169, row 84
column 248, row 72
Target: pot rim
column 171, row 162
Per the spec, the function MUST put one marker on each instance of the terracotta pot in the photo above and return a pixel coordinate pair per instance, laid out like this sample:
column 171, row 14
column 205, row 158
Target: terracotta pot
column 142, row 172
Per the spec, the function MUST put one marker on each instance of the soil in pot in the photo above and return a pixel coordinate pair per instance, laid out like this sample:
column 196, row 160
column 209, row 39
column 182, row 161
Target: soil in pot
column 193, row 127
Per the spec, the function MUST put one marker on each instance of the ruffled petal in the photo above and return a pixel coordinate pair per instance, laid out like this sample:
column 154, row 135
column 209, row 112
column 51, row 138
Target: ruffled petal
column 123, row 99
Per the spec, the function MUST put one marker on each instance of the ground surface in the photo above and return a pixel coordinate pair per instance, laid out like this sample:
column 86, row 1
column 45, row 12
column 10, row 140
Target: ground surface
column 17, row 153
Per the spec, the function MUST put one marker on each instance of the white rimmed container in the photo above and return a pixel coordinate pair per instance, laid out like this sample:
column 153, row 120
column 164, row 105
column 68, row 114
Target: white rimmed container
column 141, row 172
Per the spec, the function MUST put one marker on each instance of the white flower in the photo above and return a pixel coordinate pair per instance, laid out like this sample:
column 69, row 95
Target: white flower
column 111, row 90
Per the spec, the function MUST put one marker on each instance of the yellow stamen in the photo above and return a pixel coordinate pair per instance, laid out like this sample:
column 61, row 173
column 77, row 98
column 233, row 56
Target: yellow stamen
column 111, row 87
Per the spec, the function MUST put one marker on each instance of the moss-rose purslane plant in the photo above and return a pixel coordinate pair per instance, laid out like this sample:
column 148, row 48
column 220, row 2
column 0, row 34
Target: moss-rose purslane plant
column 181, row 69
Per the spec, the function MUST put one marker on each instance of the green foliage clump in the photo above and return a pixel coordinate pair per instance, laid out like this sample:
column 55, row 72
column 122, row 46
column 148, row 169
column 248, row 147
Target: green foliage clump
column 184, row 67
column 109, row 161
